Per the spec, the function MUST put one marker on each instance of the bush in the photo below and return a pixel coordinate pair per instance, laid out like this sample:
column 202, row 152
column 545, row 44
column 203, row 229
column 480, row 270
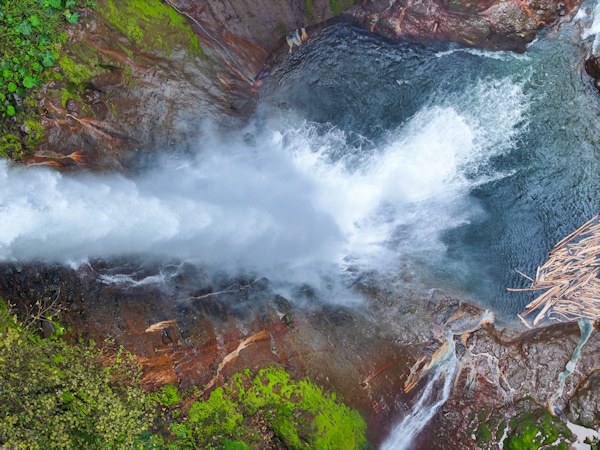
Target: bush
column 31, row 36
column 56, row 395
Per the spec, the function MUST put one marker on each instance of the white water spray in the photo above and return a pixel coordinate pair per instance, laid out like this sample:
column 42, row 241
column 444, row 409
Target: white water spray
column 285, row 208
column 589, row 18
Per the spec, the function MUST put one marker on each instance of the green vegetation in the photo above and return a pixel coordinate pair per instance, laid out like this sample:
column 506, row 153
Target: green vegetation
column 31, row 37
column 33, row 42
column 339, row 6
column 483, row 433
column 309, row 6
column 10, row 147
column 296, row 413
column 532, row 430
column 138, row 19
column 54, row 395
column 281, row 29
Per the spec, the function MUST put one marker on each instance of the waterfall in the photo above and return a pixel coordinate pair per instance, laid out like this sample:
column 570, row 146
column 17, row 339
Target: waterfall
column 586, row 327
column 299, row 202
column 443, row 363
column 429, row 402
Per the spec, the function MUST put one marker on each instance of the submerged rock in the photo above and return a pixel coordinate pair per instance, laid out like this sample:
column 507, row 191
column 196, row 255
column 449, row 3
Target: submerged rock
column 592, row 67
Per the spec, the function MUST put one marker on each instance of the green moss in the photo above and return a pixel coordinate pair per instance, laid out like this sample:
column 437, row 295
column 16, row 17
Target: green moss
column 82, row 62
column 531, row 430
column 339, row 6
column 298, row 413
column 11, row 147
column 281, row 29
column 483, row 434
column 500, row 431
column 150, row 24
column 35, row 131
column 309, row 6
column 167, row 396
column 69, row 93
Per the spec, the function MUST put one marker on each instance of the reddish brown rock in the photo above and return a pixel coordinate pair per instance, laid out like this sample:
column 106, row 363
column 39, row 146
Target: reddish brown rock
column 198, row 331
column 498, row 25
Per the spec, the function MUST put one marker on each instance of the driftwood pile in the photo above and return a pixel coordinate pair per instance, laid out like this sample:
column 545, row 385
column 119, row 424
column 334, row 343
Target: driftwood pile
column 569, row 277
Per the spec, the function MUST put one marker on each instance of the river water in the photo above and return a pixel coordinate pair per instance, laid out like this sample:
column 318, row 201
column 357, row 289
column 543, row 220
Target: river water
column 364, row 156
column 469, row 163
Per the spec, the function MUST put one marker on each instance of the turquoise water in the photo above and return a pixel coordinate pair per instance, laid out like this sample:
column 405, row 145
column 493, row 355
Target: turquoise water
column 492, row 157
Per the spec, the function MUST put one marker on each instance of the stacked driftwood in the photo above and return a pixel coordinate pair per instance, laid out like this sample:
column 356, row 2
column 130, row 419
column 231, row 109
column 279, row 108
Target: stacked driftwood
column 569, row 278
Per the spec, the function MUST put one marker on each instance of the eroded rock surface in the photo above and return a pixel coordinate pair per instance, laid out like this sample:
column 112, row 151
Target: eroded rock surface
column 128, row 89
column 198, row 329
column 493, row 24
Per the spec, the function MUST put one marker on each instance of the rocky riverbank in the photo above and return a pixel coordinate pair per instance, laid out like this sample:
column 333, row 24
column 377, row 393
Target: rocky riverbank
column 199, row 329
column 134, row 81
column 134, row 89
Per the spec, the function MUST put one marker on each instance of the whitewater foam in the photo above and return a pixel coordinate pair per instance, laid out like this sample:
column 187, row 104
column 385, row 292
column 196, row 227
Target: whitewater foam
column 301, row 201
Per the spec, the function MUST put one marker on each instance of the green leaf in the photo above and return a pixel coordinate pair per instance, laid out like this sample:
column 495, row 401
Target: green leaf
column 25, row 28
column 72, row 18
column 28, row 82
column 43, row 40
column 56, row 4
column 70, row 4
column 47, row 58
column 10, row 110
column 6, row 73
column 12, row 87
column 35, row 21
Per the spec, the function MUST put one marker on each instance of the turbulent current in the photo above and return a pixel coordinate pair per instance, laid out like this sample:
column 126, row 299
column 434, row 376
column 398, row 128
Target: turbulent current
column 364, row 156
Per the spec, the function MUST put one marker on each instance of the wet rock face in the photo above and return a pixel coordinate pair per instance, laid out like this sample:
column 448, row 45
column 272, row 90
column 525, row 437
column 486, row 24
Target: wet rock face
column 584, row 406
column 123, row 97
column 498, row 25
column 259, row 24
column 198, row 328
column 592, row 67
column 517, row 373
column 121, row 101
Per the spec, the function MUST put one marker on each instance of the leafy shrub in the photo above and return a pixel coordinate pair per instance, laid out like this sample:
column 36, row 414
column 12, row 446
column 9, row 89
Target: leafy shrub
column 31, row 36
column 56, row 395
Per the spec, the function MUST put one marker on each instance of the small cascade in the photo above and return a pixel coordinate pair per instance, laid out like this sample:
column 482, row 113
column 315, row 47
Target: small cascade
column 586, row 327
column 444, row 363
